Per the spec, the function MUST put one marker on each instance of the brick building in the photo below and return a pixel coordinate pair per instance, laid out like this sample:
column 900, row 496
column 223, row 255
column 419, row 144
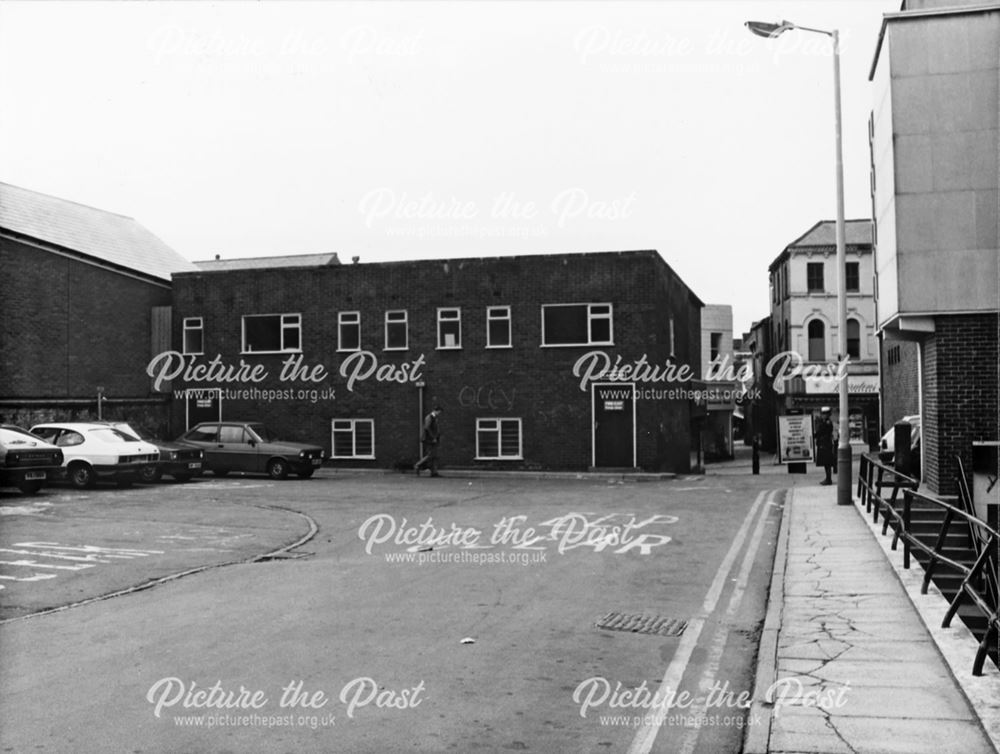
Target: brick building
column 567, row 361
column 935, row 146
column 84, row 295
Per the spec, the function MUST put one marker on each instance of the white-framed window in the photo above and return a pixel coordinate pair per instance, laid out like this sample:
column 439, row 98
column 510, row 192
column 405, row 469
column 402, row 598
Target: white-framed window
column 353, row 438
column 449, row 327
column 272, row 333
column 498, row 439
column 194, row 335
column 397, row 330
column 577, row 325
column 349, row 331
column 498, row 327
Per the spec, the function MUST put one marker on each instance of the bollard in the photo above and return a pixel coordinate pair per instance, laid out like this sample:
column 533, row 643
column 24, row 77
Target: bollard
column 756, row 455
column 903, row 456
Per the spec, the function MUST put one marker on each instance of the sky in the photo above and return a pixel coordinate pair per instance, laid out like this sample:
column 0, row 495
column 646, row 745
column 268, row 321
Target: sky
column 421, row 130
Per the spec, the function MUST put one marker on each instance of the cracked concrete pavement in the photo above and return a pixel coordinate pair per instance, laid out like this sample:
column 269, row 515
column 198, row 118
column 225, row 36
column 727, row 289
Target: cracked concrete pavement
column 851, row 667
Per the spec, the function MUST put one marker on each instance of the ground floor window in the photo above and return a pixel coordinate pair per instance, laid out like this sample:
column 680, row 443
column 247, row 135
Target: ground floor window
column 498, row 439
column 353, row 438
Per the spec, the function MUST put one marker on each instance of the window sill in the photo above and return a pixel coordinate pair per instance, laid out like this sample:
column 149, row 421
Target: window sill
column 498, row 458
column 576, row 345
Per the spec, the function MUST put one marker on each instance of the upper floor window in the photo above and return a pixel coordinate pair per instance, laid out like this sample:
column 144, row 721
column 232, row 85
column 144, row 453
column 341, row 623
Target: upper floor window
column 498, row 327
column 852, row 276
column 272, row 333
column 397, row 337
column 449, row 326
column 715, row 345
column 853, row 339
column 577, row 325
column 817, row 340
column 194, row 335
column 349, row 331
column 814, row 277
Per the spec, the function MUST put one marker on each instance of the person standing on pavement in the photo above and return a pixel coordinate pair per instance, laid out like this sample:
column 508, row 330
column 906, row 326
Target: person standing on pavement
column 430, row 437
column 824, row 443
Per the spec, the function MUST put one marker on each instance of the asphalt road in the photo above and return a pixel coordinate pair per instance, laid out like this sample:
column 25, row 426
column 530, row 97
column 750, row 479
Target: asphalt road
column 454, row 614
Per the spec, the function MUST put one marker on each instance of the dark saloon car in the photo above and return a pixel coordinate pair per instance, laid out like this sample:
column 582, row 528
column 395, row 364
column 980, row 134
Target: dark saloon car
column 179, row 461
column 27, row 461
column 251, row 447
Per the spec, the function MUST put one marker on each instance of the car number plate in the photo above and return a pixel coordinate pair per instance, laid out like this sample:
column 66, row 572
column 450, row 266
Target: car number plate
column 317, row 461
column 32, row 476
column 195, row 465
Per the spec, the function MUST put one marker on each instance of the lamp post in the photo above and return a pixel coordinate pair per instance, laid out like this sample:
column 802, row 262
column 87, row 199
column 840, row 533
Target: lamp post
column 770, row 31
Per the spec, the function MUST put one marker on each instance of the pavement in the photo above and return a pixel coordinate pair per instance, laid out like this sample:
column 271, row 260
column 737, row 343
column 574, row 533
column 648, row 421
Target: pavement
column 852, row 657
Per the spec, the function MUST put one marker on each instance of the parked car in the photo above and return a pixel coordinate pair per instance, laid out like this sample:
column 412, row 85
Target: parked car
column 179, row 461
column 251, row 447
column 26, row 460
column 887, row 445
column 97, row 451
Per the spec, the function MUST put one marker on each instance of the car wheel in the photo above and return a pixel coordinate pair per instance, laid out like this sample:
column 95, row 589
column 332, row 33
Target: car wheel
column 306, row 473
column 29, row 486
column 220, row 472
column 82, row 476
column 150, row 474
column 182, row 477
column 277, row 468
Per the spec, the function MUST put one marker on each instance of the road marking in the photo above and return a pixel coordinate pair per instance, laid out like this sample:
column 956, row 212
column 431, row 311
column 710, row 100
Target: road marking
column 642, row 743
column 85, row 556
column 721, row 634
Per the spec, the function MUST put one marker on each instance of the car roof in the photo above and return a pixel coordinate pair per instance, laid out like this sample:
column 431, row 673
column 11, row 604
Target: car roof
column 73, row 425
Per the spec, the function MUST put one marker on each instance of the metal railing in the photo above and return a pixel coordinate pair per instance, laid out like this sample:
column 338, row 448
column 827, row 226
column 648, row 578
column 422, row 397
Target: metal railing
column 874, row 477
column 979, row 581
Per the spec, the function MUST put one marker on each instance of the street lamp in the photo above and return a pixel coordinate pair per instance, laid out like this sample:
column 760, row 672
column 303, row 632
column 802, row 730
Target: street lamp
column 770, row 31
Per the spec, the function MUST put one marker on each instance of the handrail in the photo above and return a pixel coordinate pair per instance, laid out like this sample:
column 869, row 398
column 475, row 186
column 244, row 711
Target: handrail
column 981, row 572
column 979, row 582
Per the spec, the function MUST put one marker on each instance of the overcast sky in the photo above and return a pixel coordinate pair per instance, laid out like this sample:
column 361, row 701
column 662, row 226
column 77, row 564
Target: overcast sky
column 423, row 130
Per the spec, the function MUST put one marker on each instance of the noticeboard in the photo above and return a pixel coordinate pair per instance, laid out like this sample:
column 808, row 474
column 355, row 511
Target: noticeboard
column 795, row 438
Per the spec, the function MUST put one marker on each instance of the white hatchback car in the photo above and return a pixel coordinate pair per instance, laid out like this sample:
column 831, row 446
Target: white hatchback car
column 97, row 451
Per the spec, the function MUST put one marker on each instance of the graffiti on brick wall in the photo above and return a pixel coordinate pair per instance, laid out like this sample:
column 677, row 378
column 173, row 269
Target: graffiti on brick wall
column 491, row 396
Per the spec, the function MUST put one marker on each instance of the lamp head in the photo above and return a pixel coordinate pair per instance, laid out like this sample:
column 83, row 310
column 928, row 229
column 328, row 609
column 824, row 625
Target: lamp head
column 766, row 30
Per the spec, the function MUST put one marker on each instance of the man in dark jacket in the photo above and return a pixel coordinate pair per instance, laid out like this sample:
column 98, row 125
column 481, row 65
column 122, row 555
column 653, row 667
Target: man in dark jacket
column 431, row 438
column 824, row 443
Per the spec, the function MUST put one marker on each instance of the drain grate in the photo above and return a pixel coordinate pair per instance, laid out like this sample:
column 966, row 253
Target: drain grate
column 642, row 624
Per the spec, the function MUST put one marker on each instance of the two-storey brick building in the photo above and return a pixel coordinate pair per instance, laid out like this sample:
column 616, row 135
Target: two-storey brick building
column 568, row 361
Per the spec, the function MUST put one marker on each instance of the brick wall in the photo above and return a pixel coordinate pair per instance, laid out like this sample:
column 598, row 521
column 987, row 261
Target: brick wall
column 527, row 382
column 961, row 395
column 69, row 327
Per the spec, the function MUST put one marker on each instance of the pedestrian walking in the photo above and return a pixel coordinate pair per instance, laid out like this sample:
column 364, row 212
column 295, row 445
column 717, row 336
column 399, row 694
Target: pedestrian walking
column 430, row 437
column 824, row 443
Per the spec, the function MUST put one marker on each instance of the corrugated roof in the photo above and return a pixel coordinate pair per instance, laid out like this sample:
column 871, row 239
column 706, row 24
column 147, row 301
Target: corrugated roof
column 93, row 232
column 260, row 263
